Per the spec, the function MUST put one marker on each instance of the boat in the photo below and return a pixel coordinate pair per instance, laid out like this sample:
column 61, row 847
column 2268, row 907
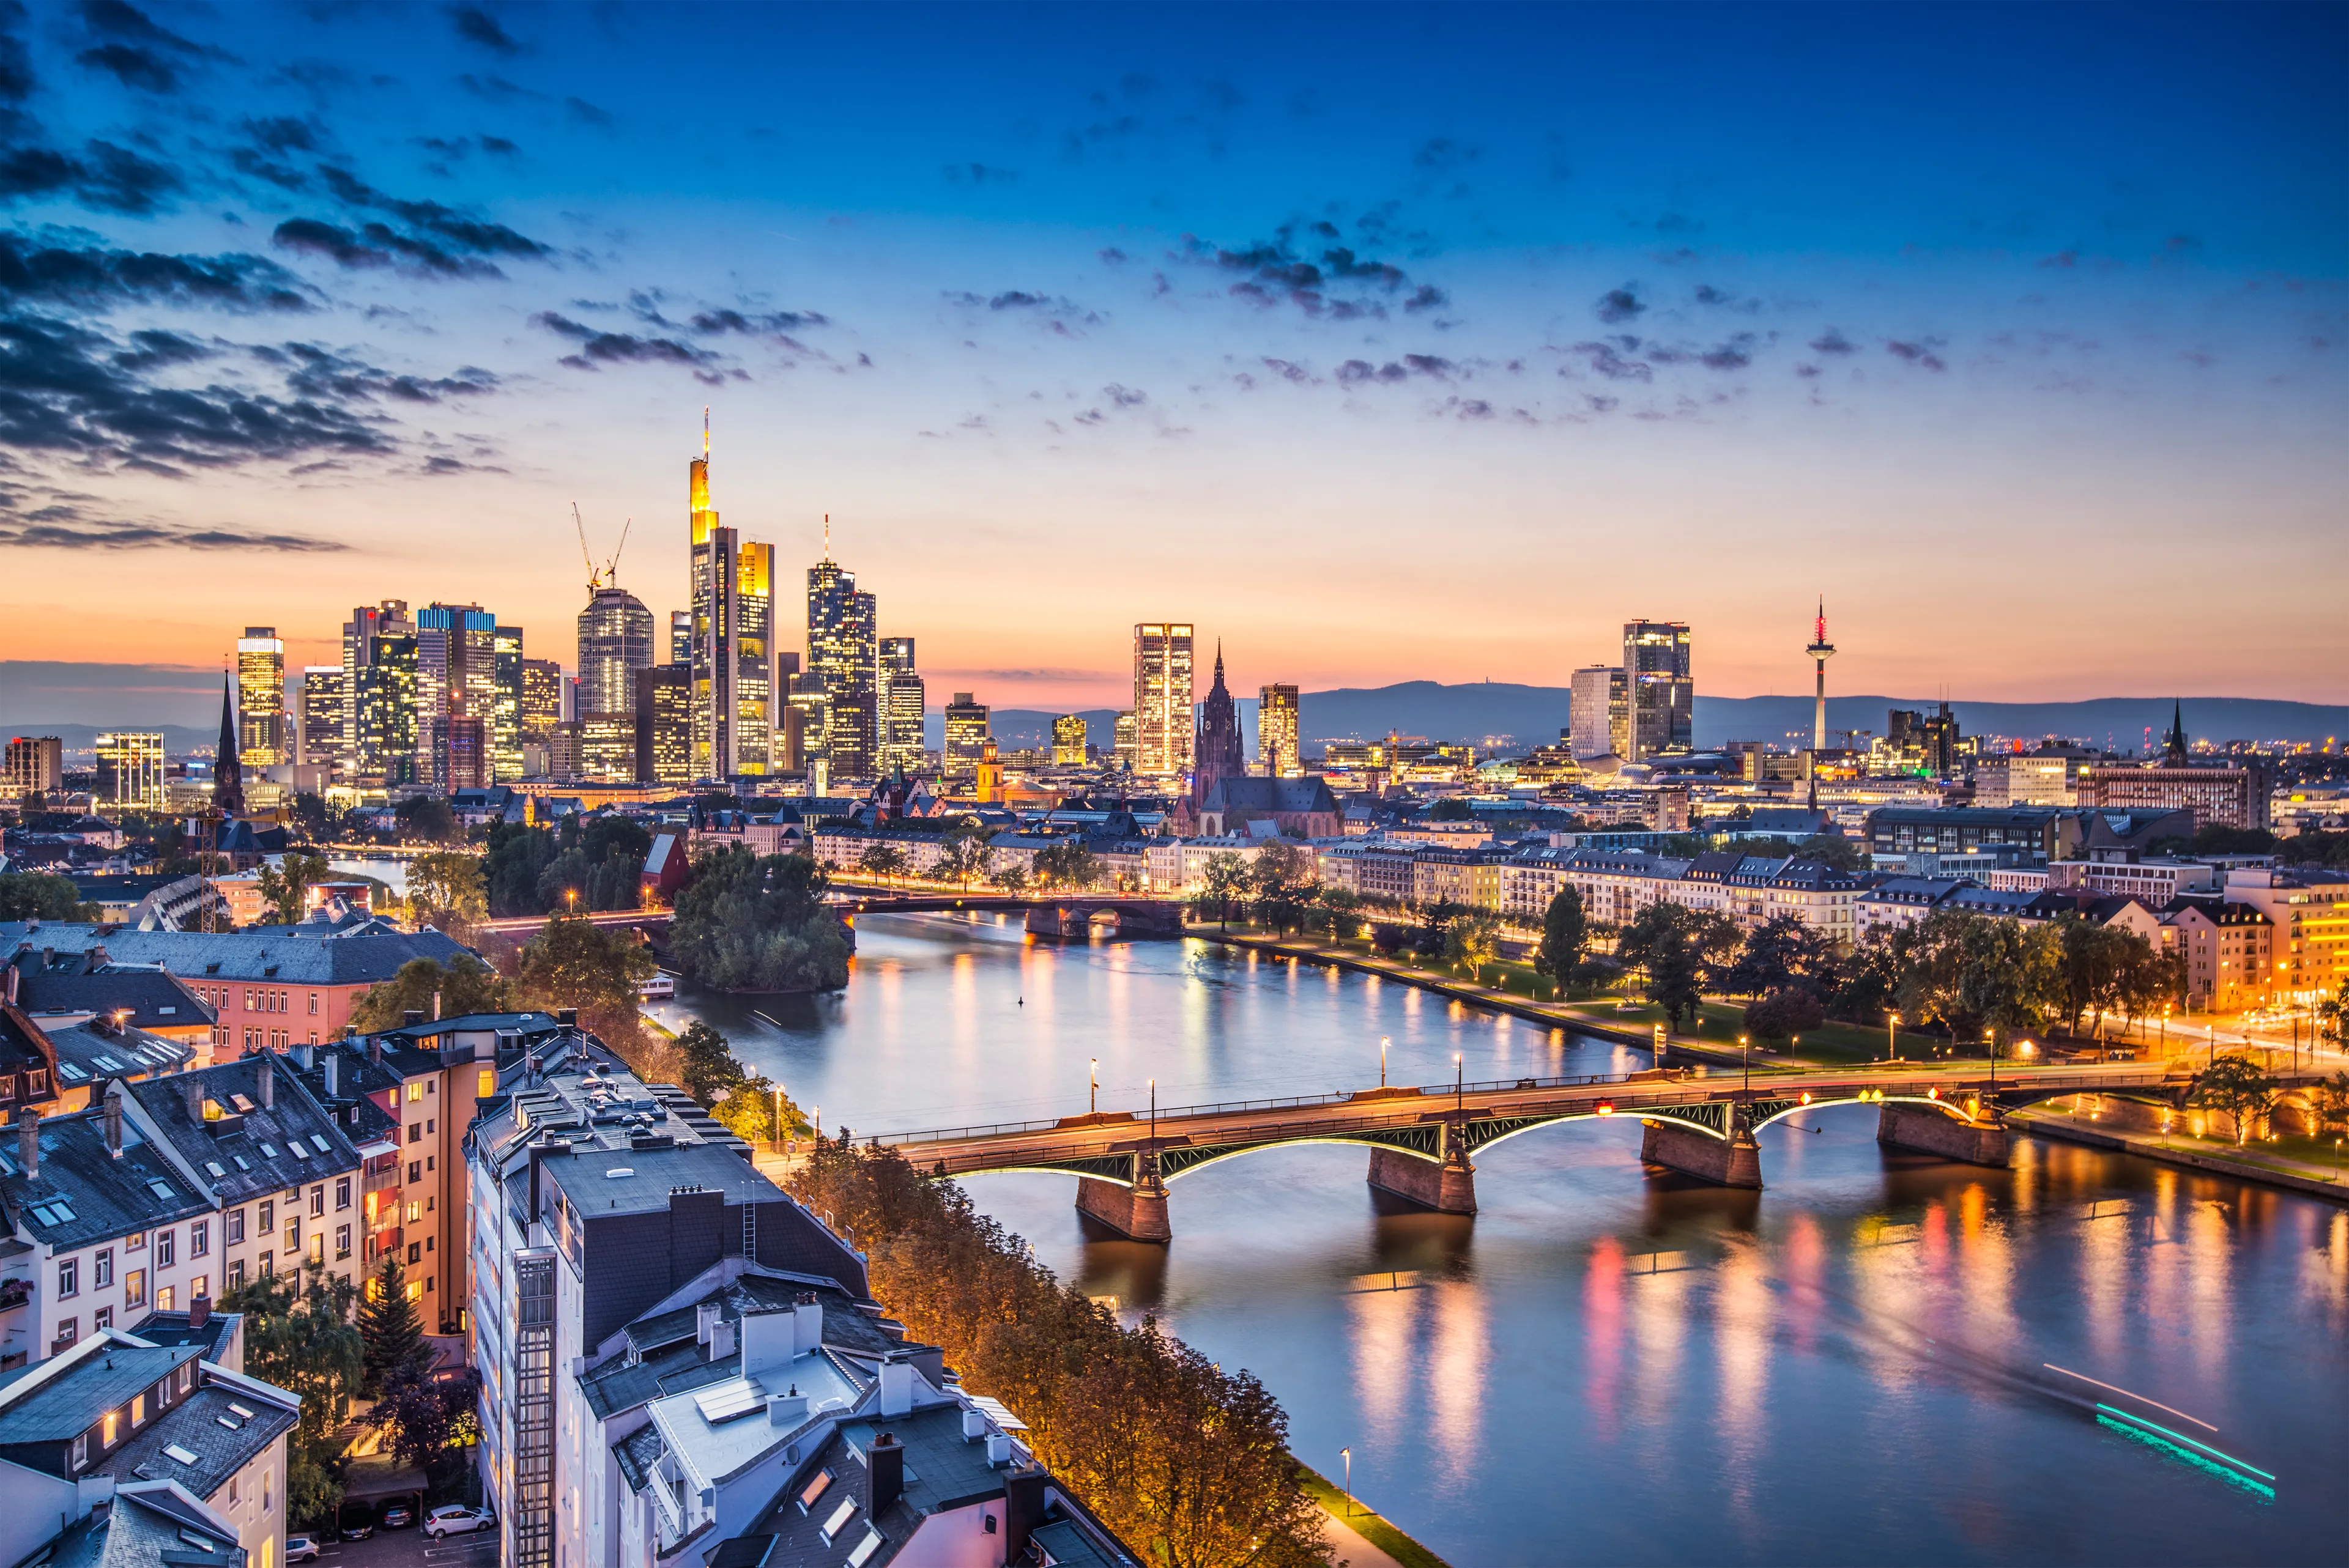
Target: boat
column 659, row 988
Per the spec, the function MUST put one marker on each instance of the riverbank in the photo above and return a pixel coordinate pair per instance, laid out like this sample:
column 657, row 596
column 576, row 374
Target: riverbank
column 2194, row 1153
column 1352, row 1517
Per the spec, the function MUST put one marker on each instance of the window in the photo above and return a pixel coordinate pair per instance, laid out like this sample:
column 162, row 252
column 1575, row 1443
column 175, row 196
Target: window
column 318, row 1199
column 167, row 1248
column 415, row 1171
column 201, row 1285
column 415, row 1132
column 81, row 1450
column 314, row 1004
column 294, row 1235
column 136, row 1241
column 319, row 1246
column 101, row 1269
column 429, row 1123
column 102, row 1319
column 236, row 1275
column 416, row 1252
column 267, row 1266
column 485, row 1086
column 415, row 1290
column 200, row 1238
column 163, row 1299
column 109, row 1429
column 342, row 1241
column 233, row 1227
column 428, row 1163
column 342, row 1193
column 134, row 1288
column 415, row 1090
column 68, row 1277
column 415, row 1210
column 433, row 1087
column 138, row 1411
column 268, row 1218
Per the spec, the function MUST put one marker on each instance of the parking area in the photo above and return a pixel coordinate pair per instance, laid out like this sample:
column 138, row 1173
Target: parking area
column 412, row 1549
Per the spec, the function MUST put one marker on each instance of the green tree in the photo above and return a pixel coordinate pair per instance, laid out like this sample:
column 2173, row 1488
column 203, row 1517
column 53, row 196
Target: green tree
column 1451, row 809
column 299, row 1335
column 964, row 855
column 1678, row 951
column 1225, row 881
column 1284, row 878
column 1785, row 1011
column 1471, row 941
column 283, row 884
column 1336, row 909
column 444, row 889
column 1010, row 877
column 390, row 1336
column 1565, row 937
column 600, row 970
column 427, row 820
column 425, row 1415
column 37, row 895
column 1979, row 976
column 1067, row 864
column 2238, row 1085
column 2329, row 1104
column 1782, row 950
column 709, row 1072
column 746, row 922
column 886, row 861
column 750, row 1110
column 466, row 985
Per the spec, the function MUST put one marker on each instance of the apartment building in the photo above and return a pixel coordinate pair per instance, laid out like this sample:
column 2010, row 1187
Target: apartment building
column 2230, row 951
column 2308, row 909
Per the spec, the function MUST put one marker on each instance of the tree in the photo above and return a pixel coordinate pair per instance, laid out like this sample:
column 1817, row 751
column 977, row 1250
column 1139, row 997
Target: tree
column 600, row 970
column 391, row 1339
column 425, row 1415
column 37, row 895
column 1224, row 879
column 1284, row 877
column 1451, row 809
column 2329, row 1104
column 1781, row 951
column 466, row 985
column 444, row 889
column 284, row 885
column 1010, row 877
column 298, row 1336
column 964, row 855
column 751, row 922
column 1067, row 864
column 1565, row 937
column 2332, row 1014
column 886, row 861
column 1977, row 974
column 1678, row 951
column 710, row 1071
column 1472, row 940
column 311, row 816
column 1335, row 909
column 427, row 820
column 2238, row 1085
column 1789, row 1010
column 750, row 1110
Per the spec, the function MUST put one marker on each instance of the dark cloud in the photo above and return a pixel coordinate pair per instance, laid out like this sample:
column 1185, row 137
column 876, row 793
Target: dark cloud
column 1427, row 297
column 441, row 241
column 283, row 133
column 100, row 535
column 1920, row 354
column 1288, row 370
column 585, row 113
column 152, row 348
column 1113, row 256
column 448, row 226
column 1471, row 408
column 619, row 347
column 1124, row 396
column 1833, row 342
column 318, row 372
column 496, row 89
column 36, row 171
column 1279, row 271
column 1722, row 299
column 1357, row 372
column 133, row 49
column 1430, row 365
column 118, row 181
column 377, row 245
column 978, row 174
column 16, row 64
column 132, row 67
column 1611, row 360
column 476, row 25
column 716, row 322
column 499, row 146
column 1620, row 304
column 1016, row 299
column 58, row 269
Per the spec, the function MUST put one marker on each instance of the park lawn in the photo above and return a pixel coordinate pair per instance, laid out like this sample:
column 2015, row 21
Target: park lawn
column 1371, row 1527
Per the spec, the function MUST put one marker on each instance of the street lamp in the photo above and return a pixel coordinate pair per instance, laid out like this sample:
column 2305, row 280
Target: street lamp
column 1891, row 1037
column 1154, row 1112
column 1092, row 1087
column 1347, row 1455
column 1745, row 1060
column 1459, row 1084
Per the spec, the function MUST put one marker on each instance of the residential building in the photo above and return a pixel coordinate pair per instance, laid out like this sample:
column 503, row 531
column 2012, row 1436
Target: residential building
column 32, row 765
column 1898, row 902
column 967, row 736
column 1598, row 717
column 904, row 706
column 1161, row 698
column 130, row 769
column 1277, row 729
column 2230, row 953
column 2308, row 909
column 143, row 1524
column 1657, row 688
column 115, row 1413
column 261, row 698
column 1068, row 741
column 56, row 1063
column 86, row 986
column 663, row 728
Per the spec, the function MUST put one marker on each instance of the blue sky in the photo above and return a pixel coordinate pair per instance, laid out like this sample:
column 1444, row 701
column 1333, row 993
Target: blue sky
column 1382, row 342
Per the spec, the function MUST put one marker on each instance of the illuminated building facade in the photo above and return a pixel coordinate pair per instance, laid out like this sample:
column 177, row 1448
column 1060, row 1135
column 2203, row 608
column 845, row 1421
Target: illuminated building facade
column 1276, row 731
column 322, row 708
column 1068, row 741
column 35, row 764
column 1659, row 687
column 905, row 700
column 505, row 711
column 680, row 637
column 754, row 660
column 843, row 655
column 1126, row 745
column 261, row 697
column 541, row 693
column 1161, row 698
column 615, row 641
column 456, row 696
column 130, row 771
column 1599, row 719
column 732, row 628
column 664, row 724
column 606, row 744
column 967, row 736
column 378, row 630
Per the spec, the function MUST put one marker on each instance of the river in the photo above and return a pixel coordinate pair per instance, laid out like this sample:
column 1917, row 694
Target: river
column 1606, row 1367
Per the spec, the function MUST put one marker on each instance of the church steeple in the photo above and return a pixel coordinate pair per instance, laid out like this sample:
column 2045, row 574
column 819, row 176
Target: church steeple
column 2174, row 744
column 228, row 766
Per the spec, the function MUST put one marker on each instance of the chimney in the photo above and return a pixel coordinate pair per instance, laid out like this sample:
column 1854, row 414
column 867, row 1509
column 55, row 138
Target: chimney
column 567, row 1017
column 307, row 1054
column 114, row 1118
column 334, row 1073
column 375, row 1049
column 766, row 1338
column 191, row 1088
column 787, row 1409
column 10, row 983
column 200, row 1311
column 705, row 1318
column 1023, row 1511
column 436, row 1007
column 896, row 1384
column 28, row 1143
column 807, row 1325
column 412, row 1018
column 886, row 1462
column 721, row 1340
column 267, row 1093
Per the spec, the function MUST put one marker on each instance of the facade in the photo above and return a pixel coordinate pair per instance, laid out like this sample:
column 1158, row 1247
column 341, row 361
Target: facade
column 1276, row 720
column 615, row 641
column 379, row 690
column 1932, row 738
column 541, row 693
column 967, row 736
column 2308, row 909
column 732, row 629
column 2022, row 781
column 32, row 765
column 904, row 704
column 1161, row 698
column 130, row 769
column 1128, row 742
column 1300, row 808
column 1216, row 753
column 505, row 707
column 844, row 660
column 1659, row 688
column 456, row 696
column 261, row 698
column 1068, row 741
column 1900, row 830
column 1599, row 719
column 662, row 726
column 754, row 661
column 2232, row 794
column 2156, row 881
column 319, row 719
column 2230, row 953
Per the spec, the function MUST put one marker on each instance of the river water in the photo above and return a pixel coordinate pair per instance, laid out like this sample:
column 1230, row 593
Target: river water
column 1603, row 1366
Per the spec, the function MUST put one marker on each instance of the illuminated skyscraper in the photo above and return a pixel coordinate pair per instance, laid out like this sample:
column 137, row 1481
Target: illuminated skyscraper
column 754, row 660
column 1659, row 688
column 968, row 735
column 732, row 629
column 904, row 702
column 615, row 641
column 1068, row 741
column 542, row 695
column 1599, row 719
column 1275, row 732
column 844, row 654
column 373, row 631
column 320, row 730
column 1125, row 746
column 34, row 766
column 261, row 697
column 680, row 637
column 505, row 714
column 664, row 724
column 456, row 696
column 1161, row 698
column 130, row 771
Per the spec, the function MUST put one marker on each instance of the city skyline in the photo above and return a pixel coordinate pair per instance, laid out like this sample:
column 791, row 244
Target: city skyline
column 1128, row 277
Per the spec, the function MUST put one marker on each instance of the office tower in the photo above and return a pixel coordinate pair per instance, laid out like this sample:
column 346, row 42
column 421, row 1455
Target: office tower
column 1161, row 698
column 364, row 638
column 615, row 641
column 1218, row 754
column 323, row 707
column 804, row 696
column 505, row 714
column 1125, row 746
column 903, row 701
column 130, row 771
column 967, row 736
column 664, row 724
column 36, row 765
column 844, row 654
column 606, row 743
column 1931, row 736
column 261, row 696
column 1659, row 688
column 1068, row 741
column 732, row 627
column 456, row 696
column 542, row 693
column 1820, row 651
column 1599, row 721
column 1275, row 732
column 791, row 738
column 680, row 637
column 754, row 660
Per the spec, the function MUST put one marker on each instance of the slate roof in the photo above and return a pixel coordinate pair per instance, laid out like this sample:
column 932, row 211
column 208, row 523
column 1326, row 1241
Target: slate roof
column 234, row 1151
column 88, row 1052
column 172, row 1329
column 107, row 1197
column 306, row 954
column 70, row 1403
column 1295, row 795
column 156, row 999
column 148, row 1520
column 204, row 1424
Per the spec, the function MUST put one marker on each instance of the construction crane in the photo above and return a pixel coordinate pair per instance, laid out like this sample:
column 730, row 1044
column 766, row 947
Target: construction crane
column 609, row 575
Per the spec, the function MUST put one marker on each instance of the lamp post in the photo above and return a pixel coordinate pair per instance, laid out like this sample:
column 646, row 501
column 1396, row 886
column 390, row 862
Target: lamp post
column 1347, row 1455
column 1092, row 1087
column 1891, row 1037
column 1154, row 1113
column 1745, row 1060
column 781, row 1131
column 1382, row 1061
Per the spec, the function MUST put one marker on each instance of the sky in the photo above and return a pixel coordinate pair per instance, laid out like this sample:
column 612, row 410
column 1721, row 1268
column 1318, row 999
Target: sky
column 1381, row 343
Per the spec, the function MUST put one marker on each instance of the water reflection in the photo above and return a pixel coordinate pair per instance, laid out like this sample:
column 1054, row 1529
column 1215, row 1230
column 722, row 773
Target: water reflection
column 1848, row 1367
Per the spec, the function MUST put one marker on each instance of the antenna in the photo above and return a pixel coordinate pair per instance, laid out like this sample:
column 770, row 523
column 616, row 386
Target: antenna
column 827, row 536
column 705, row 432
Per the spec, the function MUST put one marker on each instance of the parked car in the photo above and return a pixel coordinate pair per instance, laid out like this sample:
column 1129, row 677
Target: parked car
column 355, row 1521
column 458, row 1520
column 398, row 1515
column 301, row 1548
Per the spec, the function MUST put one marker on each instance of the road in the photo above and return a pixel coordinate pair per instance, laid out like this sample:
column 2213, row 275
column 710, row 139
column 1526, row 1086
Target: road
column 412, row 1549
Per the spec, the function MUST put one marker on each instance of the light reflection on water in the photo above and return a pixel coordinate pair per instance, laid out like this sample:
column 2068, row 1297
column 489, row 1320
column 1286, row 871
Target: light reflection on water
column 1603, row 1365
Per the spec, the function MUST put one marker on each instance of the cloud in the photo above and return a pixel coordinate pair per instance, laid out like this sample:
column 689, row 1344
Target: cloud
column 133, row 49
column 1833, row 342
column 978, row 174
column 587, row 113
column 619, row 347
column 1620, row 304
column 132, row 67
column 442, row 241
column 317, row 372
column 1920, row 354
column 446, row 225
column 1722, row 299
column 1113, row 256
column 1279, row 271
column 92, row 276
column 1609, row 360
column 719, row 322
column 1288, row 370
column 119, row 180
column 476, row 25
column 1124, row 396
column 154, row 536
column 152, row 348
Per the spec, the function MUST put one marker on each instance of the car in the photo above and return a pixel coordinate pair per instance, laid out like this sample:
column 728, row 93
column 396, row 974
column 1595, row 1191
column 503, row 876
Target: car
column 301, row 1548
column 356, row 1521
column 458, row 1520
column 399, row 1516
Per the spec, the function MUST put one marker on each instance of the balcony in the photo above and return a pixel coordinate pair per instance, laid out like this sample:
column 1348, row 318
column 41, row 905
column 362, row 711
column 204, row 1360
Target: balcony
column 15, row 1293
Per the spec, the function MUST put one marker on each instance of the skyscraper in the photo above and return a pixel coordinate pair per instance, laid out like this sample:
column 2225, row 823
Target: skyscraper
column 967, row 736
column 1161, row 698
column 130, row 771
column 1122, row 743
column 1599, row 721
column 680, row 637
column 1275, row 732
column 541, row 693
column 456, row 696
column 712, row 601
column 844, row 656
column 1659, row 688
column 664, row 724
column 615, row 641
column 374, row 632
column 261, row 696
column 1068, row 741
column 505, row 711
column 754, row 660
column 320, row 731
column 1219, row 754
column 904, row 702
column 34, row 766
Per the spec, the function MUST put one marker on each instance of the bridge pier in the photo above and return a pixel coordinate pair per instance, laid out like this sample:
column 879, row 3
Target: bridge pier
column 1928, row 1131
column 1137, row 1212
column 1448, row 1187
column 1736, row 1162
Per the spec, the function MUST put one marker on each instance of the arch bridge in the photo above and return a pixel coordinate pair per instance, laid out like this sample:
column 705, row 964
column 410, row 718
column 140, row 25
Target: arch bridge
column 1423, row 1141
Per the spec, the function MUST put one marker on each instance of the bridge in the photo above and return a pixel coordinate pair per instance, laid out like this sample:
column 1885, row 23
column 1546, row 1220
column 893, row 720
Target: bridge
column 1062, row 914
column 1422, row 1140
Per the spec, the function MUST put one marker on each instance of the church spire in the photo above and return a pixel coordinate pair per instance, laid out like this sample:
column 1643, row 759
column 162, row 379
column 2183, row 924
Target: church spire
column 2174, row 742
column 228, row 766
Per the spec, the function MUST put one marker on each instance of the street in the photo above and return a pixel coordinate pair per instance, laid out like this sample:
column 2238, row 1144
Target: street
column 412, row 1549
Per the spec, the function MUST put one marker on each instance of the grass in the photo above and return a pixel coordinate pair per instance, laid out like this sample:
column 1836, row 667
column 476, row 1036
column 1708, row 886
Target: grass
column 1372, row 1527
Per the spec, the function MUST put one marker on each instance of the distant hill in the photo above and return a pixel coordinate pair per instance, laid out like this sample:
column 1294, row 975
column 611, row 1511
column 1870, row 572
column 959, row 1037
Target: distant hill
column 179, row 739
